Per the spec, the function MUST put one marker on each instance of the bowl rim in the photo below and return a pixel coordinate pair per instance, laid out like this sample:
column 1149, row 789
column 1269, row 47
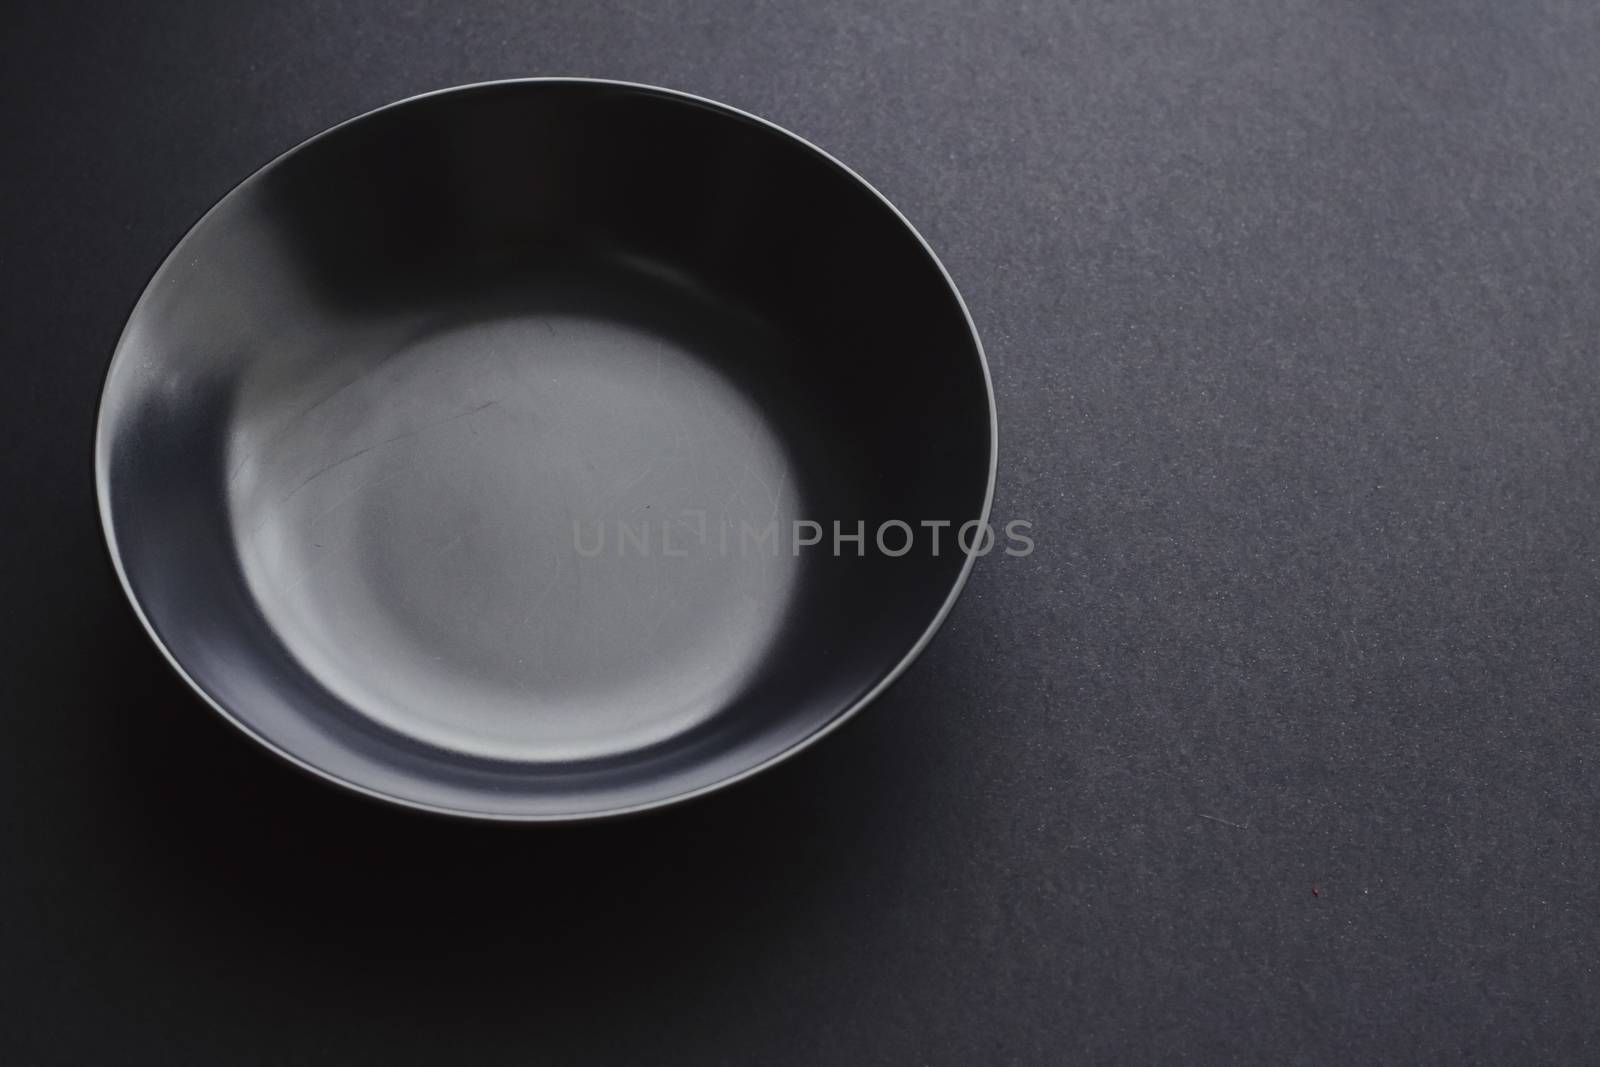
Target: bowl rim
column 839, row 718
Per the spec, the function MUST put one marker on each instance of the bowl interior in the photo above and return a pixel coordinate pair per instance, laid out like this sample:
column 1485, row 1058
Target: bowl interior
column 467, row 453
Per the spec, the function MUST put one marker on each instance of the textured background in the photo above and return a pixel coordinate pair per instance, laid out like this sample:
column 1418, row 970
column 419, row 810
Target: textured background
column 1292, row 312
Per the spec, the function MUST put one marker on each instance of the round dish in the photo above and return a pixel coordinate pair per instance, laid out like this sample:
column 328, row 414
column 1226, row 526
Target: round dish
column 503, row 452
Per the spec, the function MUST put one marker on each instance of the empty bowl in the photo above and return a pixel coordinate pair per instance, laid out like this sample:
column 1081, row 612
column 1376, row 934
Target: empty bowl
column 545, row 450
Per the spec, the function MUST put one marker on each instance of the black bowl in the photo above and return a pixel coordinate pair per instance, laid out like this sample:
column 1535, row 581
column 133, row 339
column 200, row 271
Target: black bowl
column 468, row 455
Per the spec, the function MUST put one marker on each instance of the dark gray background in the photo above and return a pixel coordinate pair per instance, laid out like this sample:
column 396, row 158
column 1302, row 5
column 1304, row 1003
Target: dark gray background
column 1282, row 746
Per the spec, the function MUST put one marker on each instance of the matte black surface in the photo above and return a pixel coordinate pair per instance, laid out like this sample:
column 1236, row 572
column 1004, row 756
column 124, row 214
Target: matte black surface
column 1292, row 312
column 463, row 455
